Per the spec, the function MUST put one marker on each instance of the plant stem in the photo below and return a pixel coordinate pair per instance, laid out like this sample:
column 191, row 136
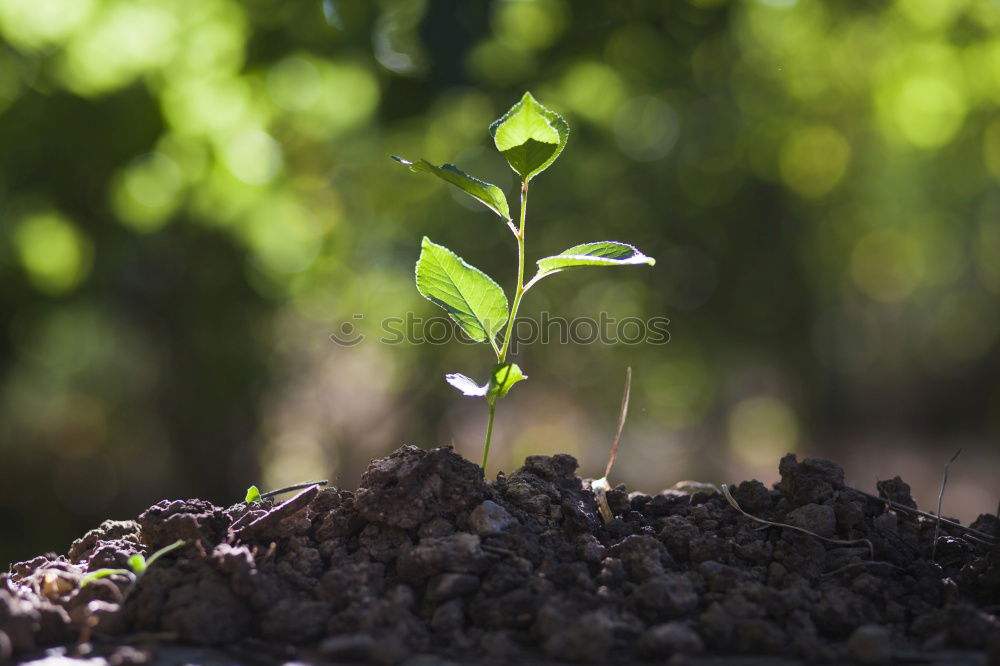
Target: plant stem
column 502, row 355
column 520, row 273
column 489, row 432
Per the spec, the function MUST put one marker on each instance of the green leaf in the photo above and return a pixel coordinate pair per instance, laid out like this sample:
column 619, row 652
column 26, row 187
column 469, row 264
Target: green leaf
column 468, row 295
column 104, row 573
column 467, row 385
column 253, row 495
column 489, row 195
column 503, row 377
column 530, row 136
column 601, row 253
column 137, row 563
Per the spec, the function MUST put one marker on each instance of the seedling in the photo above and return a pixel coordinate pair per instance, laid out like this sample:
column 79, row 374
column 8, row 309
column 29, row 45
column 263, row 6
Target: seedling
column 138, row 565
column 530, row 137
column 254, row 495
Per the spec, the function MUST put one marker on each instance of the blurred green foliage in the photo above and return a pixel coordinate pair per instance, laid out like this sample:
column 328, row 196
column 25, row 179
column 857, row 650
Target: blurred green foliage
column 194, row 194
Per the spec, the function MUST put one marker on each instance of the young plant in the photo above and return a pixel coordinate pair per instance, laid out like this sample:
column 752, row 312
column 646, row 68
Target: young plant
column 530, row 137
column 137, row 566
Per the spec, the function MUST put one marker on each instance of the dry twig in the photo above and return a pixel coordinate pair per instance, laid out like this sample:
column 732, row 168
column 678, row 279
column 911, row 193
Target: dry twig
column 601, row 486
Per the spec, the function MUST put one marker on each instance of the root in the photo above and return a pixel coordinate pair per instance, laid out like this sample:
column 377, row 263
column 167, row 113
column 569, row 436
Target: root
column 937, row 525
column 844, row 542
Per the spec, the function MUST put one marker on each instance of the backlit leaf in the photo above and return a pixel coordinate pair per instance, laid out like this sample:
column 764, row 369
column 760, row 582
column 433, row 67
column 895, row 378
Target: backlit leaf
column 489, row 195
column 504, row 376
column 468, row 295
column 530, row 136
column 601, row 253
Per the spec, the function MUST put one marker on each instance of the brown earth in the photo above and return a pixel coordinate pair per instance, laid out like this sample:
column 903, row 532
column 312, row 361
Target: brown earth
column 427, row 562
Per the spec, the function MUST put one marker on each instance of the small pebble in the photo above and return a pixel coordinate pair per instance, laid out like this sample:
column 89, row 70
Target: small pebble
column 490, row 518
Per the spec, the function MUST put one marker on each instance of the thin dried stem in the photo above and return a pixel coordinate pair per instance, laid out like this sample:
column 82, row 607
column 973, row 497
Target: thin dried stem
column 937, row 525
column 988, row 538
column 622, row 415
column 297, row 486
column 601, row 486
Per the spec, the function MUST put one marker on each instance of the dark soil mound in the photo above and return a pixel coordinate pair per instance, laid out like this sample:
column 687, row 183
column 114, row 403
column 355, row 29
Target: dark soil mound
column 428, row 558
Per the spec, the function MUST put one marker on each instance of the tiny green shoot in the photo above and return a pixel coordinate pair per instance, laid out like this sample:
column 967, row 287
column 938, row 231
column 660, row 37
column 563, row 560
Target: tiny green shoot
column 530, row 137
column 254, row 495
column 138, row 565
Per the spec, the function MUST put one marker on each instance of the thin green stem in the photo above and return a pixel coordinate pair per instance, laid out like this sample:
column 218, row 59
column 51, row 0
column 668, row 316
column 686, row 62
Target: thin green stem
column 489, row 432
column 502, row 354
column 520, row 273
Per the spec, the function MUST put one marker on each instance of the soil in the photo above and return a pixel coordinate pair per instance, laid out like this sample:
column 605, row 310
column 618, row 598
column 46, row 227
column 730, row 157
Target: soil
column 428, row 562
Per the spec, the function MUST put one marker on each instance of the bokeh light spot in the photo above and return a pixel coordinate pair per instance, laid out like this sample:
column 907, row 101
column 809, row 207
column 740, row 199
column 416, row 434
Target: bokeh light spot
column 294, row 83
column 499, row 63
column 284, row 237
column 123, row 42
column 887, row 265
column 928, row 110
column 646, row 128
column 148, row 192
column 34, row 24
column 54, row 253
column 931, row 14
column 761, row 430
column 529, row 24
column 253, row 156
column 594, row 91
column 813, row 160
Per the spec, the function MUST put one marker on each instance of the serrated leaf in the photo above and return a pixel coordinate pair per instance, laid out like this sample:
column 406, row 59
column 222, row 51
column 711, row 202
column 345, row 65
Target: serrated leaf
column 137, row 563
column 468, row 295
column 504, row 376
column 530, row 136
column 600, row 253
column 253, row 495
column 489, row 195
column 467, row 385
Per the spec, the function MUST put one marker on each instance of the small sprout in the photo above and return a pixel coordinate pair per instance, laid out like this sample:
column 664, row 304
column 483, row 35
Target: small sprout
column 530, row 137
column 253, row 495
column 138, row 565
column 104, row 573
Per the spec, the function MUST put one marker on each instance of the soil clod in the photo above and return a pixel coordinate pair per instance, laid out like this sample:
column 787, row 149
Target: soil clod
column 429, row 563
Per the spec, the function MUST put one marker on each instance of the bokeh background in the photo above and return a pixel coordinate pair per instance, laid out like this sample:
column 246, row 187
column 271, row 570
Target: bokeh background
column 195, row 194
